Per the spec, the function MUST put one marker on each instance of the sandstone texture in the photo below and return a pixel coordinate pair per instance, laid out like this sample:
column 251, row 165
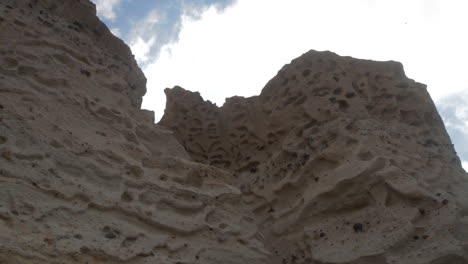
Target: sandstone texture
column 340, row 160
column 337, row 161
column 85, row 175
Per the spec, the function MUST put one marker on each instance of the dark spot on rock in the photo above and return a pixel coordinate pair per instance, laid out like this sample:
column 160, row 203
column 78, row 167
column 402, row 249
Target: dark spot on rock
column 145, row 255
column 163, row 177
column 343, row 104
column 306, row 72
column 322, row 234
column 358, row 227
column 350, row 95
column 110, row 233
column 48, row 241
column 416, row 237
column 126, row 197
column 338, row 91
column 85, row 72
column 430, row 143
column 445, row 202
column 78, row 24
column 84, row 250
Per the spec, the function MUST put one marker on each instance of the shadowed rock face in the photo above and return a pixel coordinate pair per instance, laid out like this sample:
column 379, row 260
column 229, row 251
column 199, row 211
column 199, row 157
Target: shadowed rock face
column 340, row 160
column 87, row 177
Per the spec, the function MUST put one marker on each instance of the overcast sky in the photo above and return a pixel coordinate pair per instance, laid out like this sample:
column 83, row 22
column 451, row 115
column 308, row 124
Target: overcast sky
column 223, row 48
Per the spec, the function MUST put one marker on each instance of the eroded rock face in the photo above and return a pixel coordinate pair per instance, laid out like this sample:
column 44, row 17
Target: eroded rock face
column 340, row 160
column 85, row 175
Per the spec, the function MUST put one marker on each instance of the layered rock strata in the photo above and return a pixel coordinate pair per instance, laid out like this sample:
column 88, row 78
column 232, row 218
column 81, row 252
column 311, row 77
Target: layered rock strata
column 341, row 161
column 85, row 175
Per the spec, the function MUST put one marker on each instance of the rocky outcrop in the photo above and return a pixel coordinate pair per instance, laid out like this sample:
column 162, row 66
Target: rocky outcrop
column 340, row 160
column 85, row 175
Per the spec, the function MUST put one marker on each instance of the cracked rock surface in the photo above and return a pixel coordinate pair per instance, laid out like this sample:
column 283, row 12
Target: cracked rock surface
column 338, row 160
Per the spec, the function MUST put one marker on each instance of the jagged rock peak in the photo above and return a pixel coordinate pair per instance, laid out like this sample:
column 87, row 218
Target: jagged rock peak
column 340, row 160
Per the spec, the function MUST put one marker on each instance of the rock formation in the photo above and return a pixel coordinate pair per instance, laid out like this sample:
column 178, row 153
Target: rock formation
column 85, row 175
column 338, row 160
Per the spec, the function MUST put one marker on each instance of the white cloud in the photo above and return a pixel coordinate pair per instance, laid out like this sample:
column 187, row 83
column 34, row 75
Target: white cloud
column 145, row 26
column 457, row 117
column 465, row 165
column 105, row 8
column 142, row 37
column 236, row 51
column 454, row 111
column 141, row 49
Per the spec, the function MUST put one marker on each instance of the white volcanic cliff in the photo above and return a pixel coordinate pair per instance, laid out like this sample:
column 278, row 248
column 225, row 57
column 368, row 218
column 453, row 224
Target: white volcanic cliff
column 338, row 160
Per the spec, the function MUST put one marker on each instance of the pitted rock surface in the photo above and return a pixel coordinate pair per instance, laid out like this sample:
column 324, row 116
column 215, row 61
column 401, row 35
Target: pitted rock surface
column 85, row 175
column 338, row 160
column 341, row 161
